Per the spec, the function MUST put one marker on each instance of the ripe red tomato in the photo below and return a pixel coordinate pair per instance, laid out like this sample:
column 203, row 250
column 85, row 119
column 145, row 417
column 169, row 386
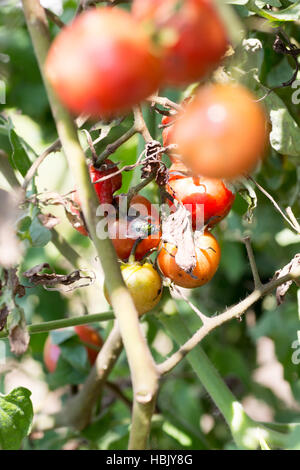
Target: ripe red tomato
column 208, row 255
column 222, row 133
column 124, row 231
column 85, row 334
column 103, row 63
column 191, row 33
column 106, row 188
column 208, row 200
column 144, row 284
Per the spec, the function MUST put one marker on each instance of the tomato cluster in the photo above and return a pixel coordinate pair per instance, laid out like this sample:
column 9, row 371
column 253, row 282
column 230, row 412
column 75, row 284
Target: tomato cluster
column 109, row 60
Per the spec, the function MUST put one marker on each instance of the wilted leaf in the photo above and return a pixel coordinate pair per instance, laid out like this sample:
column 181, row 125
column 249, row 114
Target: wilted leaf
column 16, row 415
column 48, row 220
column 177, row 230
column 18, row 334
column 4, row 312
column 36, row 277
column 39, row 234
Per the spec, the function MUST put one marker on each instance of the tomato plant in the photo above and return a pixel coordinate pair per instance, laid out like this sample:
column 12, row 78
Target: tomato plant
column 208, row 255
column 103, row 63
column 85, row 333
column 83, row 89
column 192, row 36
column 222, row 133
column 208, row 200
column 139, row 225
column 144, row 284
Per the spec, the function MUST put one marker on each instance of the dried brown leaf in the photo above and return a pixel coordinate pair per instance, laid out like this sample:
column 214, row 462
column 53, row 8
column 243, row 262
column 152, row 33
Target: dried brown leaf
column 177, row 230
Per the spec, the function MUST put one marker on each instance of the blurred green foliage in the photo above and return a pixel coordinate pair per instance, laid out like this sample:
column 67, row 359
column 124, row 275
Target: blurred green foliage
column 186, row 417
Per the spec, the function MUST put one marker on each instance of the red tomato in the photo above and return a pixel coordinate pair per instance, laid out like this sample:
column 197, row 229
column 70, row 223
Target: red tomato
column 103, row 63
column 208, row 200
column 222, row 133
column 126, row 230
column 208, row 255
column 85, row 334
column 106, row 188
column 191, row 33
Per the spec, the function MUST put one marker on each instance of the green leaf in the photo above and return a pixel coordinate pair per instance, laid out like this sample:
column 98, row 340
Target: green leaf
column 16, row 415
column 39, row 234
column 19, row 156
column 293, row 442
column 291, row 13
column 59, row 337
column 285, row 134
column 75, row 354
column 65, row 374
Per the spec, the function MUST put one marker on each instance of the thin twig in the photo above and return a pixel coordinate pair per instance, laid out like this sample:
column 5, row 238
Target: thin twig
column 201, row 315
column 165, row 102
column 274, row 203
column 293, row 218
column 256, row 278
column 54, row 18
column 213, row 322
column 119, row 393
column 111, row 148
column 140, row 125
column 55, row 146
column 34, row 167
column 136, row 189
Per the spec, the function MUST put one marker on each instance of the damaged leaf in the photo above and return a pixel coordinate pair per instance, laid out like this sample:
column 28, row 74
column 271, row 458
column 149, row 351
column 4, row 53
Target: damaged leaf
column 49, row 221
column 38, row 278
column 3, row 317
column 18, row 334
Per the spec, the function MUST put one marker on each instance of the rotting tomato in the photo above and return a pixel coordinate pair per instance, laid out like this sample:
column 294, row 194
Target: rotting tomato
column 144, row 284
column 191, row 33
column 103, row 63
column 124, row 231
column 208, row 200
column 106, row 188
column 222, row 133
column 208, row 255
column 86, row 334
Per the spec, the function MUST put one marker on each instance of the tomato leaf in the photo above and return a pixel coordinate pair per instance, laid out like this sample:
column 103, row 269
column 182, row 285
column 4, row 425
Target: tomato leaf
column 16, row 415
column 39, row 234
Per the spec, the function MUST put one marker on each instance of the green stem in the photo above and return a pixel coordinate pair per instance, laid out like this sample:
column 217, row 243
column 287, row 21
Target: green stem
column 143, row 370
column 65, row 323
column 246, row 433
column 64, row 248
column 141, row 424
